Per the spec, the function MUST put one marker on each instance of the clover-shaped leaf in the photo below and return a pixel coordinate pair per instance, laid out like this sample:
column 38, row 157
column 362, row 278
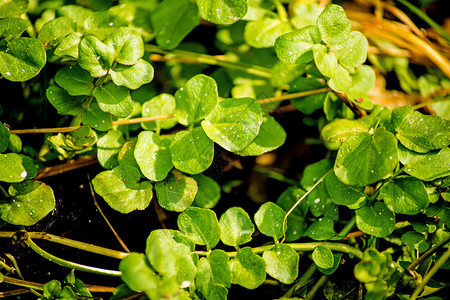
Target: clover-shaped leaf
column 291, row 47
column 95, row 56
column 75, row 80
column 114, row 99
column 333, row 25
column 127, row 44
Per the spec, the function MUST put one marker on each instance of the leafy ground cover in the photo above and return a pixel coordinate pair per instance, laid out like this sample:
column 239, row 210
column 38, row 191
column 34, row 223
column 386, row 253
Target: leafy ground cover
column 228, row 149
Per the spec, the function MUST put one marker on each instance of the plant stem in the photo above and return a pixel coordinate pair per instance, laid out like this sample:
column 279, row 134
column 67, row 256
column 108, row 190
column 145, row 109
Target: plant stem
column 427, row 254
column 3, row 192
column 277, row 176
column 23, row 283
column 294, row 95
column 323, row 279
column 303, row 281
column 281, row 11
column 212, row 60
column 423, row 104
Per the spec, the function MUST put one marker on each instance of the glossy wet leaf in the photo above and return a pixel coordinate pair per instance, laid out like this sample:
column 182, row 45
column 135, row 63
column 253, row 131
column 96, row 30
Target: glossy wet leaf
column 248, row 269
column 177, row 192
column 343, row 194
column 364, row 159
column 323, row 257
column 376, row 220
column 415, row 240
column 196, row 99
column 63, row 102
column 263, row 33
column 336, row 258
column 54, row 31
column 296, row 223
column 391, row 119
column 108, row 147
column 68, row 47
column 114, row 99
column 172, row 20
column 354, row 51
column 75, row 80
column 234, row 123
column 4, row 137
column 137, row 272
column 269, row 219
column 427, row 166
column 236, row 227
column 222, row 11
column 341, row 81
column 163, row 104
column 200, row 225
column 121, row 189
column 325, row 60
column 405, row 195
column 423, row 133
column 340, row 130
column 282, row 263
column 78, row 13
column 221, row 271
column 13, row 8
column 270, row 136
column 95, row 56
column 103, row 23
column 204, row 281
column 134, row 76
column 22, row 59
column 333, row 25
column 321, row 229
column 30, row 201
column 153, row 156
column 291, row 46
column 192, row 151
column 96, row 118
column 127, row 44
column 208, row 193
column 363, row 81
column 16, row 167
column 12, row 28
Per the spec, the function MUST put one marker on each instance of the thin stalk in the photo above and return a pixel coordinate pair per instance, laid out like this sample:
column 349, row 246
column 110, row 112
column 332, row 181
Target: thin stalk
column 427, row 254
column 13, row 293
column 69, row 165
column 23, row 283
column 3, row 192
column 423, row 104
column 6, row 267
column 323, row 279
column 281, row 11
column 276, row 176
column 303, row 281
column 294, row 95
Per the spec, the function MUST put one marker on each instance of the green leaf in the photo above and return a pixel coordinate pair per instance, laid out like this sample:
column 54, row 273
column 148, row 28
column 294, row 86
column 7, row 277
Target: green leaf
column 4, row 137
column 68, row 47
column 76, row 12
column 321, row 229
column 270, row 136
column 172, row 20
column 325, row 60
column 13, row 8
column 263, row 33
column 163, row 104
column 340, row 130
column 376, row 220
column 121, row 189
column 108, row 147
column 343, row 194
column 323, row 257
column 334, row 25
column 392, row 119
column 248, row 269
column 114, row 99
column 236, row 227
column 296, row 224
column 127, row 44
column 22, row 59
column 282, row 263
column 196, row 99
column 177, row 192
column 365, row 159
column 291, row 47
column 208, row 193
column 137, row 273
column 75, row 142
column 63, row 102
column 153, row 155
column 269, row 219
column 341, row 81
column 95, row 56
column 192, row 151
column 75, row 80
column 415, row 240
column 221, row 271
column 405, row 195
column 307, row 104
column 200, row 225
column 363, row 81
column 30, row 201
column 234, row 123
column 103, row 23
column 16, row 167
column 425, row 166
column 423, row 133
column 354, row 51
column 96, row 118
column 328, row 271
column 54, row 31
column 204, row 281
column 134, row 76
column 12, row 28
column 15, row 142
column 222, row 11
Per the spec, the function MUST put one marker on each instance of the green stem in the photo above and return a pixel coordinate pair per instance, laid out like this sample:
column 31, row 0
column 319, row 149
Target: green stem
column 303, row 281
column 3, row 192
column 427, row 254
column 69, row 264
column 316, row 287
column 439, row 263
column 212, row 60
column 23, row 283
column 6, row 267
column 423, row 104
column 281, row 11
column 426, row 18
column 276, row 176
column 348, row 227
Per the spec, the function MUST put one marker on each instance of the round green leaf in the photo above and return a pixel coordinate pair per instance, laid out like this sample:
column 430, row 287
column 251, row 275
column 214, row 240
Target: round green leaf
column 177, row 192
column 282, row 263
column 63, row 102
column 4, row 137
column 114, row 99
column 13, row 8
column 121, row 189
column 137, row 273
column 334, row 25
column 376, row 220
column 263, row 33
column 30, row 201
column 221, row 271
column 321, row 229
column 204, row 281
column 343, row 194
column 95, row 56
column 234, row 123
column 127, row 44
column 134, row 76
column 103, row 23
column 236, row 227
column 75, row 80
column 341, row 81
column 12, row 28
column 426, row 166
column 290, row 47
column 95, row 117
column 108, row 147
column 365, row 159
column 354, row 51
column 336, row 258
column 208, row 193
column 200, row 225
column 222, row 11
column 54, row 31
column 296, row 224
column 196, row 99
column 325, row 60
column 405, row 195
column 363, row 81
column 153, row 155
column 68, row 46
column 22, row 59
column 16, row 167
column 415, row 240
column 248, row 269
column 192, row 151
column 340, row 130
column 323, row 257
column 163, row 104
column 269, row 219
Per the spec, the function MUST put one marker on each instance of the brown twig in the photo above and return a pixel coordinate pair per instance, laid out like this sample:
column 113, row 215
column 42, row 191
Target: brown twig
column 70, row 165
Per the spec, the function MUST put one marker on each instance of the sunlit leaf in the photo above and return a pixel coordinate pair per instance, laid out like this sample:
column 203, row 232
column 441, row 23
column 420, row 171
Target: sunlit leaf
column 376, row 220
column 200, row 225
column 236, row 227
column 282, row 263
column 248, row 269
column 269, row 219
column 177, row 192
column 222, row 11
